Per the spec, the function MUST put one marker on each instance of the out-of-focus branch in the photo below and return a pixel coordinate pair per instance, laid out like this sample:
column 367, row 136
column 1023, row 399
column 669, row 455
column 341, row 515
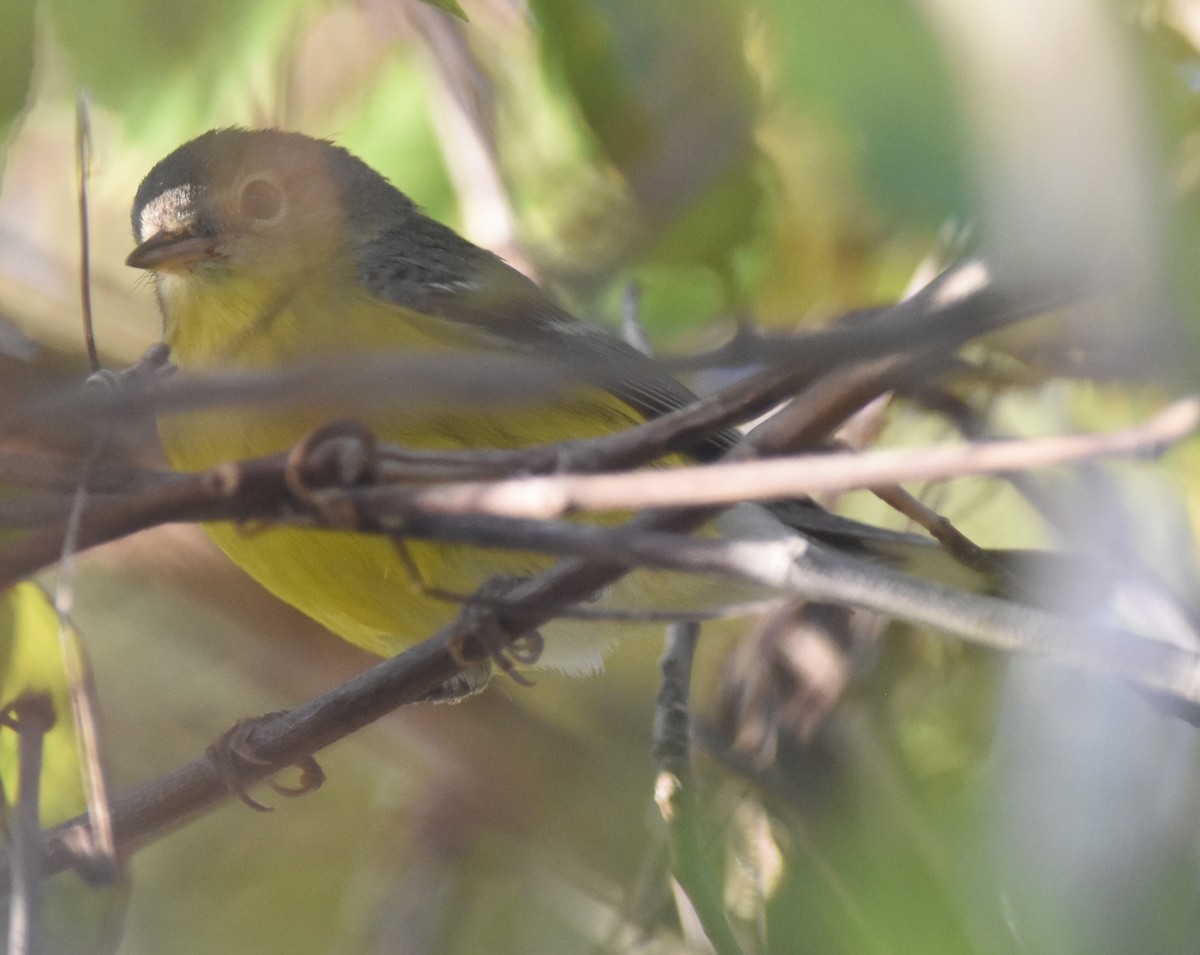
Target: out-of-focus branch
column 958, row 306
column 692, row 862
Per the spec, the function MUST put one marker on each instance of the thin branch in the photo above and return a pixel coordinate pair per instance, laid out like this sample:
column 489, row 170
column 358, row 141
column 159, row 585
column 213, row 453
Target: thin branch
column 83, row 144
column 553, row 496
column 692, row 864
column 81, row 683
column 807, row 569
column 158, row 806
column 953, row 541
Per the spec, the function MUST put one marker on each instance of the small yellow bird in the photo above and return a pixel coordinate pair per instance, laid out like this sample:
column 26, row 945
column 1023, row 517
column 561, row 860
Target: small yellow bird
column 270, row 248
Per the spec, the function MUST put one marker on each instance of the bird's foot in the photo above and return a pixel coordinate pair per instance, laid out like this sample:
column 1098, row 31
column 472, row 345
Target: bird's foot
column 483, row 634
column 341, row 454
column 235, row 748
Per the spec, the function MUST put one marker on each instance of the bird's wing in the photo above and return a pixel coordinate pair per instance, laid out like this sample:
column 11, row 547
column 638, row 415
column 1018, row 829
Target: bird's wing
column 429, row 268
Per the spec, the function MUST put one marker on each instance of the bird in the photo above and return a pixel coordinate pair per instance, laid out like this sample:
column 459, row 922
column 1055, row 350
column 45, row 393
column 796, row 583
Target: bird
column 270, row 248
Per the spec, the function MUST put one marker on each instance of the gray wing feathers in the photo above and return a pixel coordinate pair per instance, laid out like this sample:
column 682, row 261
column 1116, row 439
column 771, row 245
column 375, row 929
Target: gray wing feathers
column 429, row 268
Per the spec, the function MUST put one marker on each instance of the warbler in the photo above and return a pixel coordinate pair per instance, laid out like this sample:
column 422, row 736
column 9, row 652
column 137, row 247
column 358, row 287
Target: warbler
column 271, row 248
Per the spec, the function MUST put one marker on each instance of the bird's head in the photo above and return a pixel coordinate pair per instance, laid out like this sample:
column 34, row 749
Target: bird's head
column 246, row 214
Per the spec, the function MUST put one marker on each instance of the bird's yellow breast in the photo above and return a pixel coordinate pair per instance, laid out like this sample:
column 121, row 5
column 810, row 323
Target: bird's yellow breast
column 354, row 584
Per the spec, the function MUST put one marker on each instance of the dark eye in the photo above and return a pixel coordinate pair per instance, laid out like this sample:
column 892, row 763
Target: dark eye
column 261, row 200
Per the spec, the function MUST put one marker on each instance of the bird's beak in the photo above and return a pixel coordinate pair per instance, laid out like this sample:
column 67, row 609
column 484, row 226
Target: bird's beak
column 168, row 251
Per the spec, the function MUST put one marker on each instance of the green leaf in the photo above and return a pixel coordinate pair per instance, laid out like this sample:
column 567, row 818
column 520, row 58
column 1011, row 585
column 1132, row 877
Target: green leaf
column 876, row 73
column 171, row 65
column 31, row 661
column 16, row 63
column 667, row 95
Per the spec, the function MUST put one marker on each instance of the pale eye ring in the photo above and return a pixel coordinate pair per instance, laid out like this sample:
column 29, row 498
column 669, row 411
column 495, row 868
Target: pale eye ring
column 261, row 201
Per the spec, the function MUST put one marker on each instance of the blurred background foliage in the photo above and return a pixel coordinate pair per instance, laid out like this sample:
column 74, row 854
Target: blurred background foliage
column 774, row 160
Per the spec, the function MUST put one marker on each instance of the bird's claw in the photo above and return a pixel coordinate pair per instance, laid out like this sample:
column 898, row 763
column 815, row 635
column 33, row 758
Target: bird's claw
column 234, row 747
column 482, row 634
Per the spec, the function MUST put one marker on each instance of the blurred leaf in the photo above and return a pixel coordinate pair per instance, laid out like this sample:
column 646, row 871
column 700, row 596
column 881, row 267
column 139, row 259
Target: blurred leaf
column 171, row 62
column 16, row 64
column 1170, row 62
column 874, row 71
column 665, row 90
column 170, row 37
column 31, row 660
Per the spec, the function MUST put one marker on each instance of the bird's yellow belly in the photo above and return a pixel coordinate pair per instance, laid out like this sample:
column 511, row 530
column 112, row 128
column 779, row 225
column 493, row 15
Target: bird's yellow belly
column 356, row 584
